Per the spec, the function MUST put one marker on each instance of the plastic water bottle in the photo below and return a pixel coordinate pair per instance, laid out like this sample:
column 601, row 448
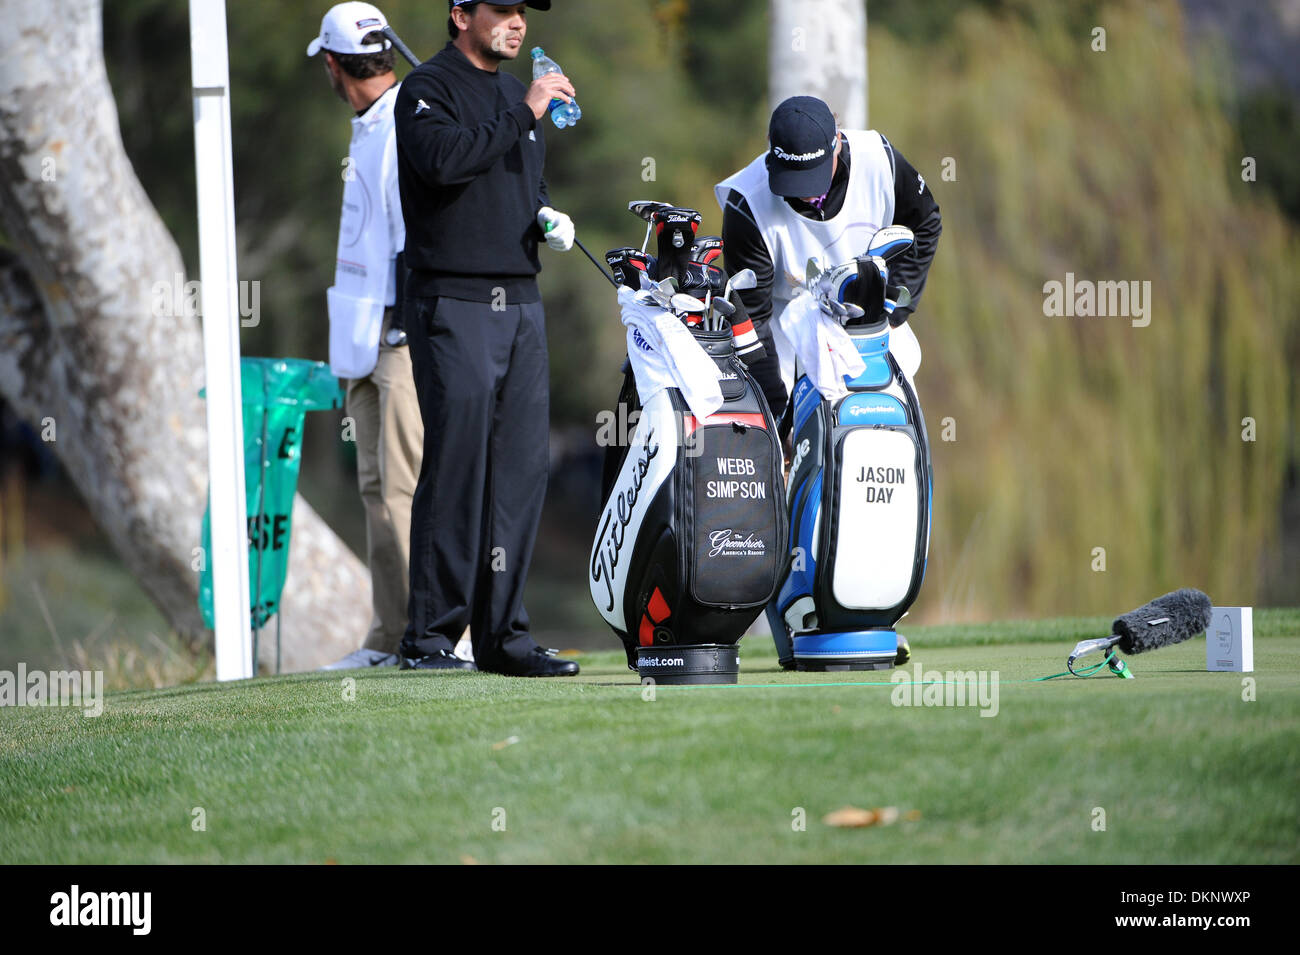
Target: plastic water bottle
column 562, row 113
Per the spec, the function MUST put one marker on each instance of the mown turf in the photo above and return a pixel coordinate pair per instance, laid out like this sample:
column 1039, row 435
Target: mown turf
column 418, row 767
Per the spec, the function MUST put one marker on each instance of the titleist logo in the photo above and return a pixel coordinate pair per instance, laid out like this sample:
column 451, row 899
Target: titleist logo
column 618, row 514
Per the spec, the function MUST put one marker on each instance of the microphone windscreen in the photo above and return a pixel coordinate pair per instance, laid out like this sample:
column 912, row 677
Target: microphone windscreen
column 1163, row 622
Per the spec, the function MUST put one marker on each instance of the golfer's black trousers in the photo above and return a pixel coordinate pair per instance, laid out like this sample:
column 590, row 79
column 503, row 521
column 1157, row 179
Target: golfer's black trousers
column 482, row 382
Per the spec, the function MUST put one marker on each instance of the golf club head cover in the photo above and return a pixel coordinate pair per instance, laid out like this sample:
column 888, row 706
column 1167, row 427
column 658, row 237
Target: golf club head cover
column 697, row 278
column 748, row 345
column 628, row 264
column 1163, row 622
column 867, row 291
column 707, row 249
column 675, row 228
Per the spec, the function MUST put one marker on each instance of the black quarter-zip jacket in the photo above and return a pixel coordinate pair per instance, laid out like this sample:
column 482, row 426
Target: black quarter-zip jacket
column 469, row 165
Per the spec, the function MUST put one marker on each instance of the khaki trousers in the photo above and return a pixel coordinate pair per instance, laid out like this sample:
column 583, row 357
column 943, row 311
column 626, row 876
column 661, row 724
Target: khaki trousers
column 390, row 440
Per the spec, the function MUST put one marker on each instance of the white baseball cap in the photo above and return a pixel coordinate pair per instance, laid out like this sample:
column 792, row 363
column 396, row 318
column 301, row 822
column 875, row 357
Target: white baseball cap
column 344, row 26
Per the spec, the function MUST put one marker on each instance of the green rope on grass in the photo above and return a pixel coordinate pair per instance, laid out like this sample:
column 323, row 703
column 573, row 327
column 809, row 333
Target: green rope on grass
column 1112, row 661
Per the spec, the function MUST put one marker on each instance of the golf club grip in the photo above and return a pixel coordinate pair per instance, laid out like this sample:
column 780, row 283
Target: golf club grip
column 401, row 47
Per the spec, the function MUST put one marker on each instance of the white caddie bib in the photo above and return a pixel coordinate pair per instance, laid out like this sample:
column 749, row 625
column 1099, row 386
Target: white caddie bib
column 793, row 239
column 371, row 234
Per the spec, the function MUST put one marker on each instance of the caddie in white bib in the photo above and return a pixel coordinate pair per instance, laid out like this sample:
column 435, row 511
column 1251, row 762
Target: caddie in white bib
column 821, row 193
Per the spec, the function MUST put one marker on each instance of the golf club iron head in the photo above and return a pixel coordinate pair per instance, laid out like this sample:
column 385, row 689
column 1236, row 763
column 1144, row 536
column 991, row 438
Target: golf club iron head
column 721, row 310
column 743, row 280
column 662, row 293
column 812, row 273
column 688, row 308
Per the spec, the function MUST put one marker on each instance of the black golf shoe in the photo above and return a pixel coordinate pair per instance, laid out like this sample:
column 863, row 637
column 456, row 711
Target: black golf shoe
column 441, row 660
column 539, row 662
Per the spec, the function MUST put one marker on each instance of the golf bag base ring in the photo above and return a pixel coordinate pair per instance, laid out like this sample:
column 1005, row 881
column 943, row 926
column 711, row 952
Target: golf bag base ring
column 680, row 665
column 851, row 650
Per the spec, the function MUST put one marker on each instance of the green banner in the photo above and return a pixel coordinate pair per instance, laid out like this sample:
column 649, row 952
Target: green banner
column 277, row 394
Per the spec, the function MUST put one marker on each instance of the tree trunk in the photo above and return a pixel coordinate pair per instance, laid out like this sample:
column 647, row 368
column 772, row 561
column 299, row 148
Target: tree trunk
column 84, row 358
column 819, row 48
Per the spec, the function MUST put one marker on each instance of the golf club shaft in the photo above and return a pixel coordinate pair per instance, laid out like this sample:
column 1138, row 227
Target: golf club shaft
column 401, row 47
column 599, row 267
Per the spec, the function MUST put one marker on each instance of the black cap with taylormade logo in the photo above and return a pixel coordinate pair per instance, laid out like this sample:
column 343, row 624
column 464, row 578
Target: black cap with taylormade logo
column 802, row 138
column 535, row 4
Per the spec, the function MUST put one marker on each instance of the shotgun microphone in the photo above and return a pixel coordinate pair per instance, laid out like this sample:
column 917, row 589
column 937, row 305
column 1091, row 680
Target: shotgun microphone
column 1167, row 620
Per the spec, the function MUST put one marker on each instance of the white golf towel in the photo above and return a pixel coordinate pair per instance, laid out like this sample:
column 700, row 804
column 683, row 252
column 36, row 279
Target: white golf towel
column 824, row 349
column 665, row 355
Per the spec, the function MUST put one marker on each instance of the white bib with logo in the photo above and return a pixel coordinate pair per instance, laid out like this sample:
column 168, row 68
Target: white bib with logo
column 793, row 239
column 371, row 234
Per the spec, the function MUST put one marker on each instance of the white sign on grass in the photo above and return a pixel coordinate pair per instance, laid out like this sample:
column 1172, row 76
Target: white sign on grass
column 1230, row 640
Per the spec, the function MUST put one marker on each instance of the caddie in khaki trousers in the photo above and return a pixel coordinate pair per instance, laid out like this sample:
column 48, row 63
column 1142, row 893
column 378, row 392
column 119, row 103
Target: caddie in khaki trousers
column 390, row 439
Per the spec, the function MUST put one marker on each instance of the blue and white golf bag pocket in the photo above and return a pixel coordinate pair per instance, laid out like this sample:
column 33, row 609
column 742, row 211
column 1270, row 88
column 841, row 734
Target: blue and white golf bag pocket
column 859, row 497
column 690, row 542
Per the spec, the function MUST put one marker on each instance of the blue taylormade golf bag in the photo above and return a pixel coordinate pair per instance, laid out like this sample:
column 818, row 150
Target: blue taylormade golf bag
column 859, row 491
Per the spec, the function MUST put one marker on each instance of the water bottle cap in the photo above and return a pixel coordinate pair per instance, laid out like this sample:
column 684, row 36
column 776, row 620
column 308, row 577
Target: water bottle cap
column 537, row 53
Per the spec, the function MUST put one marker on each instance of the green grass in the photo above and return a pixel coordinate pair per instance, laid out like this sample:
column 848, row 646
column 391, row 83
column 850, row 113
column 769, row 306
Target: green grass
column 413, row 769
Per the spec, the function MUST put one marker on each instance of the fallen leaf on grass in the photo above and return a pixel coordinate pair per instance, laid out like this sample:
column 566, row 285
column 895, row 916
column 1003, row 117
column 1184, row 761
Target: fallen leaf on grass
column 851, row 817
column 468, row 860
column 508, row 741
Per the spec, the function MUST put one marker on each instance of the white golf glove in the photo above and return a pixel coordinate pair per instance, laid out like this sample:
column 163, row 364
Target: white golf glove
column 558, row 228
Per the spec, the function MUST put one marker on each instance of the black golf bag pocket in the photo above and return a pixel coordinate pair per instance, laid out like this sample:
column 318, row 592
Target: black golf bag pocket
column 690, row 542
column 733, row 528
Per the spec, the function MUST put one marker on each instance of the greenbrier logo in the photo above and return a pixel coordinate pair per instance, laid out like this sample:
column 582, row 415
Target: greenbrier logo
column 949, row 688
column 84, row 688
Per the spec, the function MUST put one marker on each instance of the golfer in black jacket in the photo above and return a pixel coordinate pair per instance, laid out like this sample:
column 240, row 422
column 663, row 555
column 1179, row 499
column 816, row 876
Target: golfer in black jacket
column 469, row 152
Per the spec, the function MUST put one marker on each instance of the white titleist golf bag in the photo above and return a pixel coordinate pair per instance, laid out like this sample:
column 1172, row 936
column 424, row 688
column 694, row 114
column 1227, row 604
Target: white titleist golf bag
column 690, row 543
column 860, row 485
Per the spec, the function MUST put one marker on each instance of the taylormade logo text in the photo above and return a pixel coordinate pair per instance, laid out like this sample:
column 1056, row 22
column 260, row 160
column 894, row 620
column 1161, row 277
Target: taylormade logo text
column 83, row 688
column 102, row 908
column 797, row 157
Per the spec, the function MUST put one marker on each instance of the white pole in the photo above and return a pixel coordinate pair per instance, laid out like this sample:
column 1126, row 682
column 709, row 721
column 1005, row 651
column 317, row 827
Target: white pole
column 819, row 48
column 210, row 74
